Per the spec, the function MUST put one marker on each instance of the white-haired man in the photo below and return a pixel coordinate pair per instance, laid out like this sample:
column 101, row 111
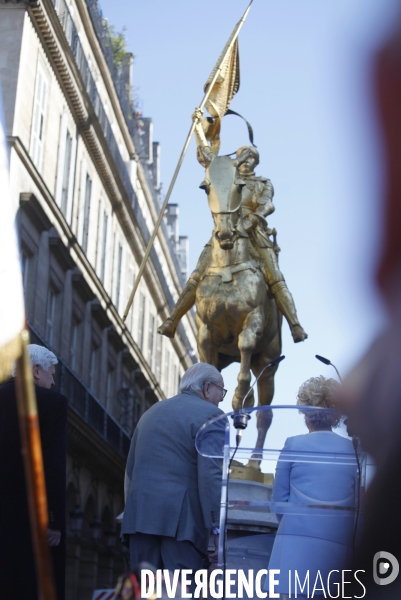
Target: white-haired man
column 172, row 492
column 17, row 565
column 43, row 363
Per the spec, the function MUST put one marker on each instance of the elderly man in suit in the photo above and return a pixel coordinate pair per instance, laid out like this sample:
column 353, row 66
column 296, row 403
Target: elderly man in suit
column 172, row 492
column 17, row 564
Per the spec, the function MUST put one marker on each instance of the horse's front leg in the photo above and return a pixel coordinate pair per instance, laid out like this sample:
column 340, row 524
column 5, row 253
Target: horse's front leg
column 265, row 395
column 264, row 417
column 247, row 341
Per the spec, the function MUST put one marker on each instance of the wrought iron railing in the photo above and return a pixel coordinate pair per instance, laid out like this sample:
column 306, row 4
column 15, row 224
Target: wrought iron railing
column 85, row 403
column 92, row 411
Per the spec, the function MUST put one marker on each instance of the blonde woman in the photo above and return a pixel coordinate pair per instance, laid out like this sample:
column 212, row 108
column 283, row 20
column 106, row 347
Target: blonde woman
column 314, row 469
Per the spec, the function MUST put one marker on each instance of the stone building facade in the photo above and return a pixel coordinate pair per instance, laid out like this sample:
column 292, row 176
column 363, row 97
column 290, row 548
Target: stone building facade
column 86, row 172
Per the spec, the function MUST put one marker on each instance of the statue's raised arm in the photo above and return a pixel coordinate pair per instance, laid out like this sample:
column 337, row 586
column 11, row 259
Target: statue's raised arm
column 207, row 135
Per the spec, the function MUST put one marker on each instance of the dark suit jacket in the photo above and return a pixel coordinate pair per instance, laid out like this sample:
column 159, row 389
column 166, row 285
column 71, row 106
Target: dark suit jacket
column 172, row 490
column 17, row 569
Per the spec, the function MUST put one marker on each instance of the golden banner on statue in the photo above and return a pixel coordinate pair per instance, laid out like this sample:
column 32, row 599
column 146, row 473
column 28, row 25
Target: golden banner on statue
column 228, row 80
column 221, row 86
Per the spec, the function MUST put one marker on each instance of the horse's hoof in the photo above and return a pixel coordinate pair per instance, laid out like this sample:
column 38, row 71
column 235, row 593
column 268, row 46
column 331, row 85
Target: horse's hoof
column 298, row 334
column 167, row 328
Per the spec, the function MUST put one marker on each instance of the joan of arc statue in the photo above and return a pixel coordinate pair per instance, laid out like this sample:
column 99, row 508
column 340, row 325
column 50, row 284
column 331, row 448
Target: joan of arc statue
column 257, row 204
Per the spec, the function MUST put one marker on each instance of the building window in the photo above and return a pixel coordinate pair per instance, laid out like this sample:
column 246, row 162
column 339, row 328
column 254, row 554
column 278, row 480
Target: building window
column 66, row 172
column 151, row 339
column 51, row 313
column 158, row 363
column 132, row 311
column 26, row 267
column 38, row 121
column 75, row 344
column 94, row 369
column 141, row 321
column 98, row 237
column 85, row 231
column 104, row 248
column 118, row 276
column 126, row 401
column 167, row 372
column 110, row 385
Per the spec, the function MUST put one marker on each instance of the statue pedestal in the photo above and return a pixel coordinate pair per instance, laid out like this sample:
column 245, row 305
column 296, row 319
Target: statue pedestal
column 243, row 487
column 250, row 530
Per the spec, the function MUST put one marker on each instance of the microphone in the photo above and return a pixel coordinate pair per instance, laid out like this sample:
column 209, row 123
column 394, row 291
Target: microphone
column 326, row 361
column 241, row 418
column 355, row 441
column 323, row 360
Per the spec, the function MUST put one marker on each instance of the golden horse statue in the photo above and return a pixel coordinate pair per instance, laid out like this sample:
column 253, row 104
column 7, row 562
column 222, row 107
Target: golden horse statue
column 237, row 319
column 239, row 290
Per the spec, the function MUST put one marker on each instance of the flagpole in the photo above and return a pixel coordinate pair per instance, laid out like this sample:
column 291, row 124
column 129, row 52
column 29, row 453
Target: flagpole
column 178, row 167
column 34, row 473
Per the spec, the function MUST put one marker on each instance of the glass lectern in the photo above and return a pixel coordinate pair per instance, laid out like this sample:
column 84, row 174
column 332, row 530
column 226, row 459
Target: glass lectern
column 293, row 507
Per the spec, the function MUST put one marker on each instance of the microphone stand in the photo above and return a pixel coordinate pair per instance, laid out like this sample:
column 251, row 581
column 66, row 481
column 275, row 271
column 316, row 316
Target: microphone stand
column 355, row 444
column 240, row 423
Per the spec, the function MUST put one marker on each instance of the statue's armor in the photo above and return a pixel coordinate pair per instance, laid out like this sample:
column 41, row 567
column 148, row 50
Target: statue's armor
column 257, row 192
column 254, row 193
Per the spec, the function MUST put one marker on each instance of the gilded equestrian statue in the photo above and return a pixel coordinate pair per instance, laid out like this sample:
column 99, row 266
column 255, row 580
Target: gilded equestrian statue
column 239, row 290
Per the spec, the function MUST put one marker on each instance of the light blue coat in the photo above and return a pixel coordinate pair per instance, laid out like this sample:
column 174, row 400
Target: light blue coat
column 309, row 542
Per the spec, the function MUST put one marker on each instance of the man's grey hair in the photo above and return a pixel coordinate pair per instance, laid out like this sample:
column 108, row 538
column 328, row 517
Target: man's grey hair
column 196, row 376
column 41, row 356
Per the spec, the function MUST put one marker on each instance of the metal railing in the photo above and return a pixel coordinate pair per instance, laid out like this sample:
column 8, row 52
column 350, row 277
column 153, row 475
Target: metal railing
column 92, row 411
column 83, row 402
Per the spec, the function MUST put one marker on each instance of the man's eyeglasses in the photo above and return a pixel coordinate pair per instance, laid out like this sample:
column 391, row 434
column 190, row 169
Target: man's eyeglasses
column 223, row 391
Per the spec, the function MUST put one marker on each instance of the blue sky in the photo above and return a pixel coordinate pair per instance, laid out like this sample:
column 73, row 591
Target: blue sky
column 307, row 89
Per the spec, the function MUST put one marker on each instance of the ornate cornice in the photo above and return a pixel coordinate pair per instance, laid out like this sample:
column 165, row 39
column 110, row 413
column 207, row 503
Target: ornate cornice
column 17, row 3
column 56, row 47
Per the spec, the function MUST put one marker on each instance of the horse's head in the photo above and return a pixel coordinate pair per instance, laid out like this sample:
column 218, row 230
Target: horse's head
column 223, row 187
